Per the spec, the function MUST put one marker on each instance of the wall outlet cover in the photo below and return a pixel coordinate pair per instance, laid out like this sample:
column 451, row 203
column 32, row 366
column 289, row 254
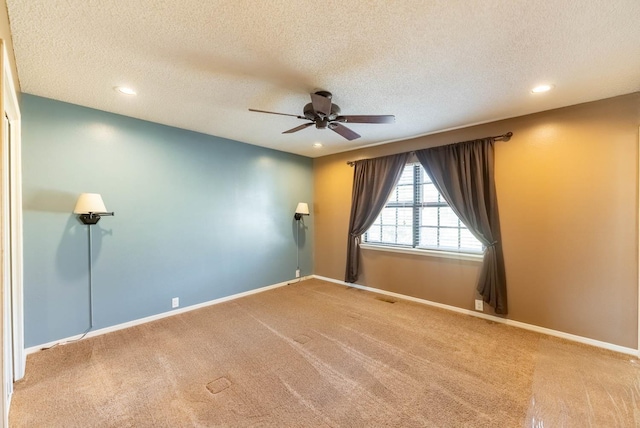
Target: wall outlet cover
column 479, row 305
column 175, row 302
column 297, row 273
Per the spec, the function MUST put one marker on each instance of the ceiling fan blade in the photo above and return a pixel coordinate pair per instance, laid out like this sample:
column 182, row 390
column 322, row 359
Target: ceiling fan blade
column 281, row 114
column 344, row 131
column 388, row 118
column 321, row 104
column 298, row 128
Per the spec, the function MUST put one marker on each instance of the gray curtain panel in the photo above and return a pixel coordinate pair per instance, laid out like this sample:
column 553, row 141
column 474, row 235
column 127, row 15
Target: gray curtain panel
column 463, row 173
column 373, row 182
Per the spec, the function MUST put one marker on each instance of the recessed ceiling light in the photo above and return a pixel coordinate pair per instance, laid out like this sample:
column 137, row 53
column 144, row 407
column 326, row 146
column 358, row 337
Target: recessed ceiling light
column 541, row 88
column 125, row 90
column 317, row 145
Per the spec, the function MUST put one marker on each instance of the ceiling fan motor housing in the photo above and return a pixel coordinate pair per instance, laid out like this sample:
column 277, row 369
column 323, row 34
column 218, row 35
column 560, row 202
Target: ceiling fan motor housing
column 311, row 114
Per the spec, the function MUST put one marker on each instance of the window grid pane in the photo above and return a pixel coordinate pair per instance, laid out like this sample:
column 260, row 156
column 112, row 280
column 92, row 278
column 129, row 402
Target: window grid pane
column 417, row 216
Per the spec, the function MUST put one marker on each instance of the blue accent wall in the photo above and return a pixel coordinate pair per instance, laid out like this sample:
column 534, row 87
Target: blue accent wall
column 196, row 217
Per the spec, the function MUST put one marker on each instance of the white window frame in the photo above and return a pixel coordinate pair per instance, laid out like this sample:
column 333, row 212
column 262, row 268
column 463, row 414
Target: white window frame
column 413, row 248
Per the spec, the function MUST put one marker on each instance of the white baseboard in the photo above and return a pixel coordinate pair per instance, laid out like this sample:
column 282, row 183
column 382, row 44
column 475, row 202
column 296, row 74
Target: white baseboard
column 525, row 326
column 531, row 327
column 128, row 324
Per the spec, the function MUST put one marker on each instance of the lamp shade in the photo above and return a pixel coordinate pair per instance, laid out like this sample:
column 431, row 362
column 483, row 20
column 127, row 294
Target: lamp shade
column 302, row 208
column 89, row 203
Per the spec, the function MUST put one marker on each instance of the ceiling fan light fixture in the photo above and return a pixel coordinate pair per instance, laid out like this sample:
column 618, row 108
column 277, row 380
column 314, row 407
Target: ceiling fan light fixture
column 322, row 123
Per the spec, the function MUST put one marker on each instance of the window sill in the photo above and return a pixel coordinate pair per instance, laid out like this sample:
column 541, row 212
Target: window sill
column 428, row 253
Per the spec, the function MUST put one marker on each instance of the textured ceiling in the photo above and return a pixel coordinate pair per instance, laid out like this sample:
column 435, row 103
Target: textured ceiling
column 436, row 65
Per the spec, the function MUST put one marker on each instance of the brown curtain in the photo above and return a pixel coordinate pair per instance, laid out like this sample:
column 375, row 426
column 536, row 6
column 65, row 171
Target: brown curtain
column 463, row 173
column 373, row 182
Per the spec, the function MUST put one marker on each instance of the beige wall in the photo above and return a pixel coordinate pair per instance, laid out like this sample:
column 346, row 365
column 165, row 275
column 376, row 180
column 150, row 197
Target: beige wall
column 567, row 195
column 5, row 34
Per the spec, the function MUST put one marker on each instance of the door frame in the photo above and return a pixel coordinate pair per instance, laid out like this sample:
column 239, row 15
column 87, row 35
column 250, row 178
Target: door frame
column 10, row 107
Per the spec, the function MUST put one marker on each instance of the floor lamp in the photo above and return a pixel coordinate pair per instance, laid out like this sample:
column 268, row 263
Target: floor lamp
column 90, row 208
column 301, row 209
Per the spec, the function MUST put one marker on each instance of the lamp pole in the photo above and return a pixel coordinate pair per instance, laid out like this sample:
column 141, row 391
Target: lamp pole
column 298, row 245
column 90, row 277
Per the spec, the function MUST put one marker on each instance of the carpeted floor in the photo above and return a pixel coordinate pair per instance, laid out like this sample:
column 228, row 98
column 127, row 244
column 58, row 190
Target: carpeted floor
column 316, row 354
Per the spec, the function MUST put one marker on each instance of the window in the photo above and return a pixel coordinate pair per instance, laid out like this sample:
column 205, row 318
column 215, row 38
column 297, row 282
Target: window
column 416, row 216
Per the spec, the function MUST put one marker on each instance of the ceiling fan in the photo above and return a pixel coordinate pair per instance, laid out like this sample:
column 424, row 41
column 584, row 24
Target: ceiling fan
column 322, row 113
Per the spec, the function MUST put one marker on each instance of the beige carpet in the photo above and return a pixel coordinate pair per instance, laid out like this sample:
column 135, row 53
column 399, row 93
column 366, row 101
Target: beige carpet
column 315, row 354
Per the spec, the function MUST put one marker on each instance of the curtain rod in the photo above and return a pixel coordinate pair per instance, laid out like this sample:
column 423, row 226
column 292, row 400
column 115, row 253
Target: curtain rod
column 503, row 137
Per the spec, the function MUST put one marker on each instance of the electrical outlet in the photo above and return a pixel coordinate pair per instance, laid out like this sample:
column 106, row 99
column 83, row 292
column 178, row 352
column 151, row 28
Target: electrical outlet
column 175, row 302
column 297, row 273
column 479, row 305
